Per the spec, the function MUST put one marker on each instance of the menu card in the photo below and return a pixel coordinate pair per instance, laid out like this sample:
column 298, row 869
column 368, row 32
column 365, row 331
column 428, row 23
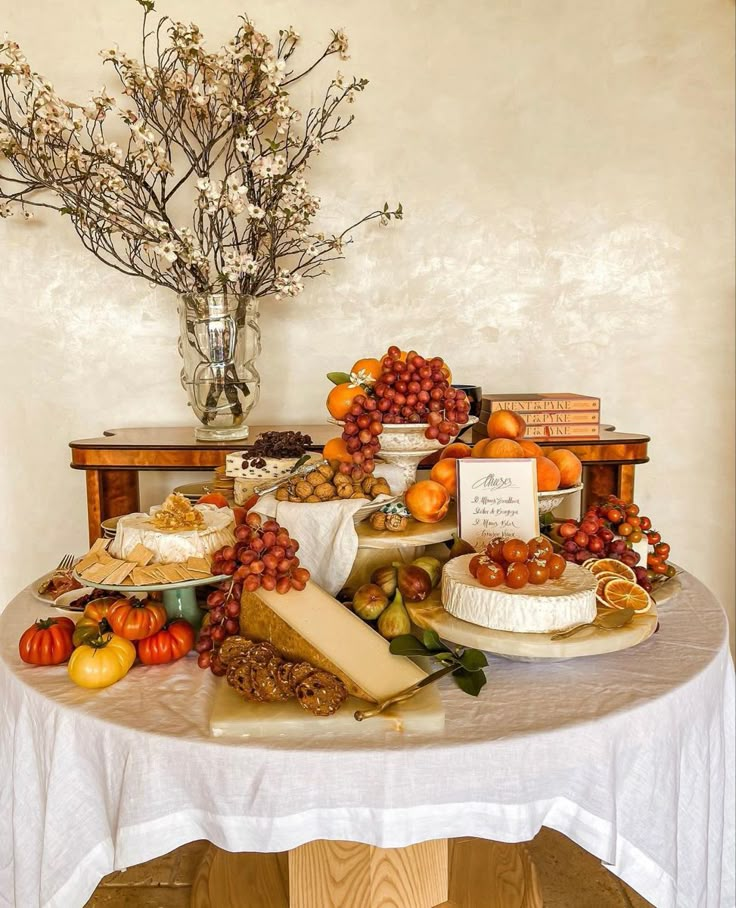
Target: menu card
column 496, row 497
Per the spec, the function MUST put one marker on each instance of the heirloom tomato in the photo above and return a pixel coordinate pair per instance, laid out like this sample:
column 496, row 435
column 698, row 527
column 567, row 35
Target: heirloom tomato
column 173, row 641
column 136, row 619
column 98, row 608
column 102, row 661
column 47, row 642
column 88, row 627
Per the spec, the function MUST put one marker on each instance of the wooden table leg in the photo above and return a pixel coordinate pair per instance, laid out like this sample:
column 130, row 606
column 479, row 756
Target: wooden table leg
column 325, row 874
column 109, row 494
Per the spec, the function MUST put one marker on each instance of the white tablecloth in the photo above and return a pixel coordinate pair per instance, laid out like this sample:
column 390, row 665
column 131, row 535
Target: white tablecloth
column 631, row 755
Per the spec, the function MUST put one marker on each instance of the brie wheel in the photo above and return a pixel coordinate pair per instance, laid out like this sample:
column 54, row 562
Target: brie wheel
column 177, row 545
column 552, row 606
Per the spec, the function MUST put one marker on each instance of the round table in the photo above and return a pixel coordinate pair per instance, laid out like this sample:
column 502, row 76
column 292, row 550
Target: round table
column 631, row 755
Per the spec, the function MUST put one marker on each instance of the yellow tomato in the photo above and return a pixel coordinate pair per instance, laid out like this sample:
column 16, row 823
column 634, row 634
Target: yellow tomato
column 102, row 662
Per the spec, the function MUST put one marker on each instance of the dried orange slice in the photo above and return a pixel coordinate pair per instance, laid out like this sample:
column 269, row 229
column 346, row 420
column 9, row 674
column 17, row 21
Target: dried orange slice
column 622, row 593
column 603, row 579
column 612, row 566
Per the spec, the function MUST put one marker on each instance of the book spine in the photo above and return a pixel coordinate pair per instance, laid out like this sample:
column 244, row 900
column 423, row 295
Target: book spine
column 550, row 404
column 562, row 431
column 560, row 417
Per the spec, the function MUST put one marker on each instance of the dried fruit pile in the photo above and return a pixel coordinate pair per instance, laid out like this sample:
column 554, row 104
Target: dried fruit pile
column 515, row 563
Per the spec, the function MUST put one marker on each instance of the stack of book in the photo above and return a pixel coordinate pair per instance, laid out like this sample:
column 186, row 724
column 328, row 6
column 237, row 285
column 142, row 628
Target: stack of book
column 549, row 415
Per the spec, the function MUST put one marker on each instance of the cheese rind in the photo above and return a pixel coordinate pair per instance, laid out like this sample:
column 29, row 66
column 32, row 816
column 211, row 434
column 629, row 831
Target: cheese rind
column 553, row 606
column 137, row 529
column 312, row 626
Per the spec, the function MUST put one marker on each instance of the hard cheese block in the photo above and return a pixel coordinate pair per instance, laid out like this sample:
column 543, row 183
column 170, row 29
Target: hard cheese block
column 312, row 626
column 234, row 717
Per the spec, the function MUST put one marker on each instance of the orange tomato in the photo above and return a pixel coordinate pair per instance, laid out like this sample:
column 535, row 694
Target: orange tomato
column 340, row 399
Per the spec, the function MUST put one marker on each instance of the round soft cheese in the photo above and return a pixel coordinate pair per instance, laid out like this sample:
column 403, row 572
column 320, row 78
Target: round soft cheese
column 552, row 606
column 176, row 545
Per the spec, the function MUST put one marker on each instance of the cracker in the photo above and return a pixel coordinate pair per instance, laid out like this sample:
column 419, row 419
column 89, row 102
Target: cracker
column 89, row 559
column 198, row 565
column 120, row 573
column 170, row 573
column 100, row 545
column 99, row 572
column 140, row 555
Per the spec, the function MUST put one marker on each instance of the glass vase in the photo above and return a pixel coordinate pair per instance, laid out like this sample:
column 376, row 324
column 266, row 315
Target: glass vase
column 219, row 340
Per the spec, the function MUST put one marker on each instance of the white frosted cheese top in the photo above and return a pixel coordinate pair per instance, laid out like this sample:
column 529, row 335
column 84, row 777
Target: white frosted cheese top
column 178, row 545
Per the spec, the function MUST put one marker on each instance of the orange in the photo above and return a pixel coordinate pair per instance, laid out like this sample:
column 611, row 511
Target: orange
column 335, row 449
column 371, row 366
column 548, row 474
column 622, row 593
column 340, row 399
column 456, row 450
column 612, row 566
column 506, row 424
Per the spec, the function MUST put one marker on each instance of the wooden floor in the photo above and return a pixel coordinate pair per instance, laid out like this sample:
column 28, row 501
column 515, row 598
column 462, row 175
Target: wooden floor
column 568, row 876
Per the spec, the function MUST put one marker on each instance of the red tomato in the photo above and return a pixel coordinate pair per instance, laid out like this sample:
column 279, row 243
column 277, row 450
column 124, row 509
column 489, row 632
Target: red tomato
column 136, row 619
column 515, row 550
column 662, row 549
column 173, row 641
column 654, row 537
column 645, row 523
column 490, row 574
column 47, row 642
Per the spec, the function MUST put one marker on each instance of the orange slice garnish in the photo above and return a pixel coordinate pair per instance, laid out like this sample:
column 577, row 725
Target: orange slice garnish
column 620, row 593
column 612, row 566
column 603, row 579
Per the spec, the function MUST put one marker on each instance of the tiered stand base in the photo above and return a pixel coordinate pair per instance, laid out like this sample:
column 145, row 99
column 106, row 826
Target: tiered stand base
column 461, row 873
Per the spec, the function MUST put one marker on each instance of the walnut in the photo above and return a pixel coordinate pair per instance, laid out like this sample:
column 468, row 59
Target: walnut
column 345, row 490
column 282, row 494
column 294, row 498
column 341, row 479
column 380, row 487
column 326, row 470
column 313, row 498
column 303, row 489
column 378, row 520
column 359, row 495
column 368, row 483
column 396, row 522
column 314, row 478
column 325, row 491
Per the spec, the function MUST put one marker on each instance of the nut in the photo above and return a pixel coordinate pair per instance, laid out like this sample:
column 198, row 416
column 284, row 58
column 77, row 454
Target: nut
column 314, row 478
column 326, row 470
column 380, row 487
column 396, row 522
column 341, row 479
column 313, row 498
column 368, row 483
column 345, row 491
column 324, row 491
column 378, row 520
column 303, row 489
column 282, row 494
column 359, row 495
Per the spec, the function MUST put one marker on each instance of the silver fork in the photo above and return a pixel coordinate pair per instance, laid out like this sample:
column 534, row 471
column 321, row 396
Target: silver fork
column 66, row 563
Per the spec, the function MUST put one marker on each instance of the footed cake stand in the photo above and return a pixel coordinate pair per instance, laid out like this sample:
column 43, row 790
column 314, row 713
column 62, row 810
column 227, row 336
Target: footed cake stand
column 179, row 599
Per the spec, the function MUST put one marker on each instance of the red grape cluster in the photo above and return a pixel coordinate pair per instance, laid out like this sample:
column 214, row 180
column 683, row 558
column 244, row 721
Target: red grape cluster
column 415, row 391
column 263, row 557
column 607, row 531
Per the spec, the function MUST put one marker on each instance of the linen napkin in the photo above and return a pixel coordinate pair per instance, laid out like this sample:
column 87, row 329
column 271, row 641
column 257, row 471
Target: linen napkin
column 328, row 541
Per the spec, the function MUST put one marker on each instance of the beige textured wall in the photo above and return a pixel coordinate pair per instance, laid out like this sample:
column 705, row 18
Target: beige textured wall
column 567, row 173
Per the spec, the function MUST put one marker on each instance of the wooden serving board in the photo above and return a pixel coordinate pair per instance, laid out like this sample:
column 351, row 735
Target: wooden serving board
column 591, row 641
column 234, row 717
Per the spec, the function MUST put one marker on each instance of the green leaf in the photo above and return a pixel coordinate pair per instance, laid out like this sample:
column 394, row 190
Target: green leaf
column 432, row 641
column 473, row 660
column 408, row 645
column 469, row 682
column 66, row 210
column 444, row 657
column 338, row 378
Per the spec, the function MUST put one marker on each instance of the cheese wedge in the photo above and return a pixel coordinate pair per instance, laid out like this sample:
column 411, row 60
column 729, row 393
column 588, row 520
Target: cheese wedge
column 312, row 626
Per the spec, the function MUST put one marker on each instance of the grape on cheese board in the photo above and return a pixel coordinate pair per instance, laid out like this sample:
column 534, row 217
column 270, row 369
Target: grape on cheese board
column 611, row 530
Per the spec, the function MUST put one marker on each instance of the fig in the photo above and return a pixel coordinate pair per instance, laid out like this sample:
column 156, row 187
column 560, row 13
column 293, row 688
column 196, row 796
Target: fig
column 433, row 566
column 414, row 582
column 460, row 547
column 394, row 621
column 369, row 601
column 385, row 577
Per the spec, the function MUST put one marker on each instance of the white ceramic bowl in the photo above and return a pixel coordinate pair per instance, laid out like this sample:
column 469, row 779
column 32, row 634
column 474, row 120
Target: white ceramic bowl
column 548, row 501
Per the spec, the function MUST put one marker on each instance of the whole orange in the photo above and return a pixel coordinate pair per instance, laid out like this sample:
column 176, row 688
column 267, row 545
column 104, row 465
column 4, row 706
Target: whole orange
column 340, row 399
column 371, row 366
column 335, row 449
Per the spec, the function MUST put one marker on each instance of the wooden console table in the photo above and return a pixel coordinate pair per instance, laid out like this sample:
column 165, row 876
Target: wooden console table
column 112, row 461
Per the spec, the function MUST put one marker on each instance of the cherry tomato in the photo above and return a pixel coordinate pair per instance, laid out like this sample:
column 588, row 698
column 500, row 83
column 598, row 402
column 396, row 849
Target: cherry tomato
column 538, row 572
column 615, row 515
column 540, row 548
column 517, row 575
column 634, row 521
column 653, row 561
column 645, row 523
column 654, row 537
column 636, row 536
column 662, row 549
column 660, row 569
column 515, row 550
column 671, row 570
column 632, row 510
column 490, row 574
column 556, row 566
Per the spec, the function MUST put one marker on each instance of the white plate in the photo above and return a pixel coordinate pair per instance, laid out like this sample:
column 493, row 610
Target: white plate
column 35, row 586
